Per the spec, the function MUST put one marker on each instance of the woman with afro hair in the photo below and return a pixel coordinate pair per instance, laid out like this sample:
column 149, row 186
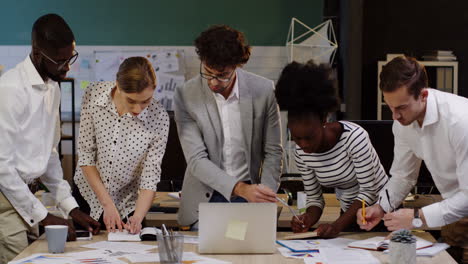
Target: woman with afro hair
column 330, row 154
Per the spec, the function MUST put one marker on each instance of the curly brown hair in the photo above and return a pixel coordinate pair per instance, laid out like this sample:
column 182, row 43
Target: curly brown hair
column 221, row 46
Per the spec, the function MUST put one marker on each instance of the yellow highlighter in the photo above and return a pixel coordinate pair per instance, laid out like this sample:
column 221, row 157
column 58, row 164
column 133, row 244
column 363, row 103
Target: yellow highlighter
column 363, row 212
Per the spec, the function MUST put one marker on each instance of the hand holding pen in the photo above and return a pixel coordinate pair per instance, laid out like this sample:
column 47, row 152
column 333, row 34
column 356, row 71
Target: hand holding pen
column 295, row 216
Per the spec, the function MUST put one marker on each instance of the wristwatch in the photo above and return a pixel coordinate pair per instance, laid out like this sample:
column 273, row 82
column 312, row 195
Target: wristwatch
column 417, row 222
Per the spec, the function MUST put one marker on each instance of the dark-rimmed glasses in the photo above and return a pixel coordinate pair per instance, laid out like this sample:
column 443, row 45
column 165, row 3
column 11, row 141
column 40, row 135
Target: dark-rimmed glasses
column 210, row 77
column 61, row 64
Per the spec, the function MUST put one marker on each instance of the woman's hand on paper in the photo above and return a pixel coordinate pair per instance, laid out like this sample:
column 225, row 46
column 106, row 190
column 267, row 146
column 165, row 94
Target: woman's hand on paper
column 133, row 225
column 112, row 218
column 373, row 216
column 327, row 230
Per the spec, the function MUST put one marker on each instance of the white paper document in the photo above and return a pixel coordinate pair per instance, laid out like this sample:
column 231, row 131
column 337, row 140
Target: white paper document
column 120, row 246
column 344, row 256
column 310, row 245
column 190, row 239
column 123, row 236
column 100, row 253
column 186, row 256
column 47, row 258
column 299, row 255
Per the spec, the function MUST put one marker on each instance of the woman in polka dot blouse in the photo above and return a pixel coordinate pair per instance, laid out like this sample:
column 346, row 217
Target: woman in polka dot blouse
column 122, row 139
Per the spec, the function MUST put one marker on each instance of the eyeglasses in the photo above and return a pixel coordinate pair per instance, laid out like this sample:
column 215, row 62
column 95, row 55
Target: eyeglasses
column 61, row 64
column 210, row 77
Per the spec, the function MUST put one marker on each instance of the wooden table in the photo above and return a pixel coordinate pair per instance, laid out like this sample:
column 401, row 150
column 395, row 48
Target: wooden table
column 40, row 246
column 330, row 213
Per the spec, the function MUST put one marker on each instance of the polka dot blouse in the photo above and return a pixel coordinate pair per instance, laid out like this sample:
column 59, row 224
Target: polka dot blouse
column 126, row 150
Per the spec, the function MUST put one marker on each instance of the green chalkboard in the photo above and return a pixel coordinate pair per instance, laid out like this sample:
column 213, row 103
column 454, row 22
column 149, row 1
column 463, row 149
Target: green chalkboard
column 158, row 22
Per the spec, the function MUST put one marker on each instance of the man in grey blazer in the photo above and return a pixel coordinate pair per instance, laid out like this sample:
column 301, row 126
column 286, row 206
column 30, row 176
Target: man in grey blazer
column 229, row 127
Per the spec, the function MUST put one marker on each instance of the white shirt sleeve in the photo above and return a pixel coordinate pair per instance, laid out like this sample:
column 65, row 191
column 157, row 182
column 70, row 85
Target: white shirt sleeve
column 456, row 206
column 60, row 189
column 404, row 173
column 11, row 184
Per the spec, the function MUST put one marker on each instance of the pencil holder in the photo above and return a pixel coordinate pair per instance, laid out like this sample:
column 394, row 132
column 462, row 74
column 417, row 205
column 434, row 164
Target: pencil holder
column 171, row 248
column 402, row 247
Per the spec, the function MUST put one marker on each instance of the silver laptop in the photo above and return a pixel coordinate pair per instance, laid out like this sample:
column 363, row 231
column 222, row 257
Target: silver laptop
column 241, row 228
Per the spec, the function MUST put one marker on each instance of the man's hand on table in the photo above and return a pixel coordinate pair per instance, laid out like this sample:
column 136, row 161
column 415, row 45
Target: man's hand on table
column 255, row 193
column 86, row 221
column 51, row 219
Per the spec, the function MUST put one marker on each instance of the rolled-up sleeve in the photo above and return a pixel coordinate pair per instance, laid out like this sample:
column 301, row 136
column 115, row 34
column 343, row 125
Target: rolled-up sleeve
column 151, row 174
column 404, row 171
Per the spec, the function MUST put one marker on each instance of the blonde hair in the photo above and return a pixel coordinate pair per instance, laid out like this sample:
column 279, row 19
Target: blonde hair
column 135, row 75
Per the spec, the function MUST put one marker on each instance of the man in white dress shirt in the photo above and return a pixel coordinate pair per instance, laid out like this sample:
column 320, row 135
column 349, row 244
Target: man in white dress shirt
column 432, row 126
column 29, row 135
column 229, row 127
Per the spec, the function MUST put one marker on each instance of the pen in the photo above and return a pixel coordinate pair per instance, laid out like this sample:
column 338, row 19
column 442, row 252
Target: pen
column 389, row 203
column 290, row 209
column 363, row 212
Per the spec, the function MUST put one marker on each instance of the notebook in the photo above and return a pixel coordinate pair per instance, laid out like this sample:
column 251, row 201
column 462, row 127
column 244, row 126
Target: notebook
column 380, row 243
column 146, row 234
column 300, row 235
column 241, row 228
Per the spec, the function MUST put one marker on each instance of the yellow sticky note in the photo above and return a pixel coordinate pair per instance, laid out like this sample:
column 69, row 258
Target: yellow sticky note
column 236, row 229
column 84, row 84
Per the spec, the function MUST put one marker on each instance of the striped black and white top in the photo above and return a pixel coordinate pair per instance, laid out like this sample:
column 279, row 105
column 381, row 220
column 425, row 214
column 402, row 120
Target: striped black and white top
column 352, row 167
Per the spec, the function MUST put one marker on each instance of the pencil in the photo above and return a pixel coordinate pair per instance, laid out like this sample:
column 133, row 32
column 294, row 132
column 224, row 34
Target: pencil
column 363, row 212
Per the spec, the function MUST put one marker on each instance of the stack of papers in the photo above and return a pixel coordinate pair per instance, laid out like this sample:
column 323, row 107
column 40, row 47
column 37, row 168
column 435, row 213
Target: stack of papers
column 313, row 245
column 343, row 256
column 46, row 258
column 330, row 251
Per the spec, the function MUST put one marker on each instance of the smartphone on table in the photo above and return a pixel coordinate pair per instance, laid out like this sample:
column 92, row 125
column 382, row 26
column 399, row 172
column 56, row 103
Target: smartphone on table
column 83, row 235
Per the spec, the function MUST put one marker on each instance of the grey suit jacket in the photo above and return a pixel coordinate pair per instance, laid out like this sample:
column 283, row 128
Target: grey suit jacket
column 201, row 136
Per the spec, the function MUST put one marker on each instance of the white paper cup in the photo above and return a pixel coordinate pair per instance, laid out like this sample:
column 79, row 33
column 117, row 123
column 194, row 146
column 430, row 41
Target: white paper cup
column 56, row 237
column 301, row 201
